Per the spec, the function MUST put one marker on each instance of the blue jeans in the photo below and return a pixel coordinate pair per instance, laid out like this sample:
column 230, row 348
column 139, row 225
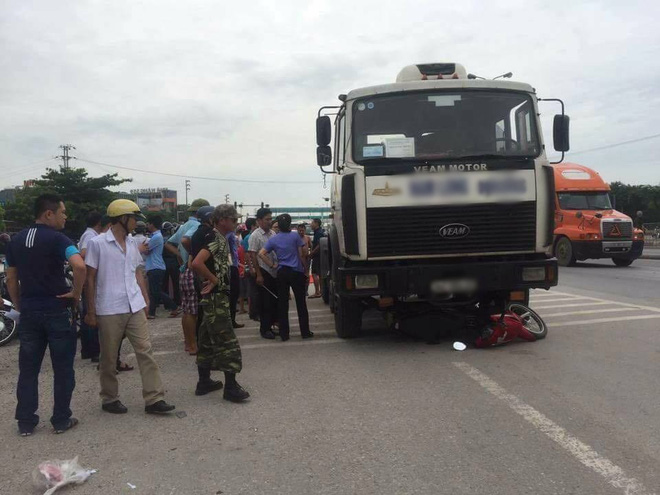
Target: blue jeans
column 36, row 330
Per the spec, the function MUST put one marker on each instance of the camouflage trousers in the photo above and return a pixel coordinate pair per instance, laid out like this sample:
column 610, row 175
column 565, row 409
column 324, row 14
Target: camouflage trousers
column 217, row 345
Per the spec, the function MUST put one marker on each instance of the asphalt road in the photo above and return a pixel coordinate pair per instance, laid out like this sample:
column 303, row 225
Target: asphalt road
column 576, row 413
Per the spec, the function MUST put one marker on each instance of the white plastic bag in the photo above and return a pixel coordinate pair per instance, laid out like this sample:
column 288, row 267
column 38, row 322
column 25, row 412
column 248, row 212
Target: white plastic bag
column 53, row 475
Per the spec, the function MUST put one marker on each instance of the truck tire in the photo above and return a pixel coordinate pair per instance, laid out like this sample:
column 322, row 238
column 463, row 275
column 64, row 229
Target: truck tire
column 622, row 261
column 325, row 290
column 564, row 252
column 332, row 302
column 348, row 317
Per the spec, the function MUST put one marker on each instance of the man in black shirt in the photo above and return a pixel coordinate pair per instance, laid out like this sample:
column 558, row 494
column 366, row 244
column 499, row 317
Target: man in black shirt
column 36, row 258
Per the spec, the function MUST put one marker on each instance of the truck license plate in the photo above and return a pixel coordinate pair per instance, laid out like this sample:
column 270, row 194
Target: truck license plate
column 454, row 286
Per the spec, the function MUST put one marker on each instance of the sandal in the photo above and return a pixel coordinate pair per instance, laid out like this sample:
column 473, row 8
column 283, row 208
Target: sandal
column 124, row 367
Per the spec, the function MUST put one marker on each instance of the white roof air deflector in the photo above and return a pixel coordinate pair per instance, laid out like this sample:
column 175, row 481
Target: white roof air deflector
column 423, row 72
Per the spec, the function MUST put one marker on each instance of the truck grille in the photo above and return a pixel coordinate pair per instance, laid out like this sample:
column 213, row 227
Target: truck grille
column 617, row 230
column 411, row 231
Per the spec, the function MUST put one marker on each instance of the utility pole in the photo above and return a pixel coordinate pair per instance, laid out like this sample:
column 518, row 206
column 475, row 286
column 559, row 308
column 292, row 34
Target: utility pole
column 227, row 199
column 65, row 156
column 187, row 189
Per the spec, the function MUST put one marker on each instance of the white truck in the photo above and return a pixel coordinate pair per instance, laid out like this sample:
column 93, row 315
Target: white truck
column 442, row 198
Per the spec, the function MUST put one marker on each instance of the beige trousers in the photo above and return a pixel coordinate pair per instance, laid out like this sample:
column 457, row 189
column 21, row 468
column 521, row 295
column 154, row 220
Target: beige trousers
column 112, row 329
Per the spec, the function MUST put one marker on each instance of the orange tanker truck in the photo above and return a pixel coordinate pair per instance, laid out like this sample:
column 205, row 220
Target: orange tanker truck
column 586, row 224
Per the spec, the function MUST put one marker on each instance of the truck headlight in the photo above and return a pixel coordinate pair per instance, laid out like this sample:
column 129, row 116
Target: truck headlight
column 533, row 274
column 366, row 281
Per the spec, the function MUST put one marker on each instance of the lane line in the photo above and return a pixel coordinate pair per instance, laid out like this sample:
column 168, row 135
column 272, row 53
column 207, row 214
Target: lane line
column 654, row 309
column 586, row 455
column 588, row 311
column 603, row 320
column 275, row 344
column 584, row 304
column 543, row 301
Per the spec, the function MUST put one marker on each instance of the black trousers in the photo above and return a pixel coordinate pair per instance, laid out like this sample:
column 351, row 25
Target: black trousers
column 254, row 295
column 156, row 293
column 172, row 269
column 267, row 303
column 289, row 278
column 234, row 291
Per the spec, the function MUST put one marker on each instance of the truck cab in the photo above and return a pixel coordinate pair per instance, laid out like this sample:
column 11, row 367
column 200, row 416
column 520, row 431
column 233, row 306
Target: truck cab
column 586, row 224
column 442, row 196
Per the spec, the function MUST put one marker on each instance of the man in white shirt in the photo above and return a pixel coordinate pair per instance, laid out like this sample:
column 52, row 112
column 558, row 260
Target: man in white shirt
column 89, row 337
column 117, row 295
column 265, row 275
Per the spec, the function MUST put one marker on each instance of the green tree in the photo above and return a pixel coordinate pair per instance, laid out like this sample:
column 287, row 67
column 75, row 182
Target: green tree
column 81, row 194
column 3, row 227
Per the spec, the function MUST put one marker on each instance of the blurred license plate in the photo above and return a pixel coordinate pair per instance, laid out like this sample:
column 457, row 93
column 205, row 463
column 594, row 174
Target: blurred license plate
column 454, row 286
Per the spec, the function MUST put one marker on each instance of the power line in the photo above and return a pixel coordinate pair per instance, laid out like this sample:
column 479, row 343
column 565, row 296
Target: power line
column 251, row 181
column 608, row 146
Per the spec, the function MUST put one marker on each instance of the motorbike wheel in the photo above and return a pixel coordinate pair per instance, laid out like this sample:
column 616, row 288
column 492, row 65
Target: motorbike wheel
column 531, row 320
column 7, row 329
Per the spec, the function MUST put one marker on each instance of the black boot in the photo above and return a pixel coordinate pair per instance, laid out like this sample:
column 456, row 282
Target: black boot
column 205, row 387
column 233, row 391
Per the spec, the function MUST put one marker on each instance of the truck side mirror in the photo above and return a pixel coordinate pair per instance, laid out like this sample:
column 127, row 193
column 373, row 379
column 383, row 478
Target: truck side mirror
column 323, row 156
column 560, row 132
column 323, row 131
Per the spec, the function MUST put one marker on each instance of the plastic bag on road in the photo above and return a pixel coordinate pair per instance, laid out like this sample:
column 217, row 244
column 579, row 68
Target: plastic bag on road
column 52, row 475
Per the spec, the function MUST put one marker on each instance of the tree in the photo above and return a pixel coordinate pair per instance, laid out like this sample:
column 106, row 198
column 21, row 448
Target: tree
column 3, row 227
column 81, row 194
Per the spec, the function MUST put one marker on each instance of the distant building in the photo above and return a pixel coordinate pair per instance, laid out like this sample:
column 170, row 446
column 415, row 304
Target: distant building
column 155, row 199
column 8, row 195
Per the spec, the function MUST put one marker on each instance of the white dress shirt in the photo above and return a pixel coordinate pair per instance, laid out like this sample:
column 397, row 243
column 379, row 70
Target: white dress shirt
column 117, row 290
column 89, row 234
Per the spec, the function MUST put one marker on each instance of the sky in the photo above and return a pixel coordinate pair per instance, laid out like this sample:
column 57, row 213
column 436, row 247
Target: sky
column 231, row 90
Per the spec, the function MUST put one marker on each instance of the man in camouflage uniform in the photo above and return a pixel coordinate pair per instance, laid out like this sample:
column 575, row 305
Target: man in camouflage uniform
column 217, row 345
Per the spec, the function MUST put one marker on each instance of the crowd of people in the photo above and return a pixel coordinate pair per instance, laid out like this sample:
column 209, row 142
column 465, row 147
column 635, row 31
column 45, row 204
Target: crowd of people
column 124, row 267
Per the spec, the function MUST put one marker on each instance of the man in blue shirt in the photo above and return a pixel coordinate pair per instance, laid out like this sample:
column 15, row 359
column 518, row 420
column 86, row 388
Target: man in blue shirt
column 155, row 266
column 288, row 247
column 38, row 289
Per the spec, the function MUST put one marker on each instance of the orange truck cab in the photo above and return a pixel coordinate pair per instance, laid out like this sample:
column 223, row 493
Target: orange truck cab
column 586, row 224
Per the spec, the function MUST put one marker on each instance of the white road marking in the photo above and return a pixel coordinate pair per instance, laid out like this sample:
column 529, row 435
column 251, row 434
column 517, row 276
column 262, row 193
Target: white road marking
column 275, row 344
column 585, row 304
column 588, row 311
column 586, row 455
column 603, row 320
column 543, row 301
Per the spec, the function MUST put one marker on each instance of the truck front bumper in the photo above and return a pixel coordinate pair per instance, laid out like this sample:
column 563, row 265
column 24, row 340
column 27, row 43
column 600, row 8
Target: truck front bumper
column 420, row 279
column 585, row 250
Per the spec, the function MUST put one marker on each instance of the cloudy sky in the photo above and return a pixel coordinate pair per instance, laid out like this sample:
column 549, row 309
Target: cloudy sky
column 231, row 89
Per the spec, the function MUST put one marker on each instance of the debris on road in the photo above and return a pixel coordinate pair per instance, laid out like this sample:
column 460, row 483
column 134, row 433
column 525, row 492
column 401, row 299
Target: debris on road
column 131, row 486
column 55, row 474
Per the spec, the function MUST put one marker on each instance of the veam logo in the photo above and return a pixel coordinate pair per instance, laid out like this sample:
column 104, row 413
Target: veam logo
column 386, row 191
column 454, row 231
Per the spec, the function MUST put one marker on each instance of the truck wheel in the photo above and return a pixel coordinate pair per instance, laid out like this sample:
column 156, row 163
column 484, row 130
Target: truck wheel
column 564, row 252
column 622, row 261
column 532, row 321
column 348, row 317
column 332, row 303
column 325, row 290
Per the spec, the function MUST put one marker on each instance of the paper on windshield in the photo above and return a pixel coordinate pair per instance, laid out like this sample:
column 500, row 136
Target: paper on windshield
column 400, row 147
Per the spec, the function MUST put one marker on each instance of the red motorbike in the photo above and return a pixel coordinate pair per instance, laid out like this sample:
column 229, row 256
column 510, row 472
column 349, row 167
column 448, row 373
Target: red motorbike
column 518, row 321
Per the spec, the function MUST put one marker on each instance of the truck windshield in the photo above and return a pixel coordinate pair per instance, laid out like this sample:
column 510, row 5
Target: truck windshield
column 584, row 201
column 444, row 125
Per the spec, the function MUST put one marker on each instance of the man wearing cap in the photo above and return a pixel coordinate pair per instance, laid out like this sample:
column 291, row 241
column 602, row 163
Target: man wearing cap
column 117, row 298
column 218, row 347
column 189, row 302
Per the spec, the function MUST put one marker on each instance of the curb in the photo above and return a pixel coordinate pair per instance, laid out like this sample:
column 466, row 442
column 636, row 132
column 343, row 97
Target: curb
column 650, row 257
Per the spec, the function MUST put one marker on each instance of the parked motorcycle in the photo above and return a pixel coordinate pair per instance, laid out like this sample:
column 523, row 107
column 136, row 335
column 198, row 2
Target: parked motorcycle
column 8, row 322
